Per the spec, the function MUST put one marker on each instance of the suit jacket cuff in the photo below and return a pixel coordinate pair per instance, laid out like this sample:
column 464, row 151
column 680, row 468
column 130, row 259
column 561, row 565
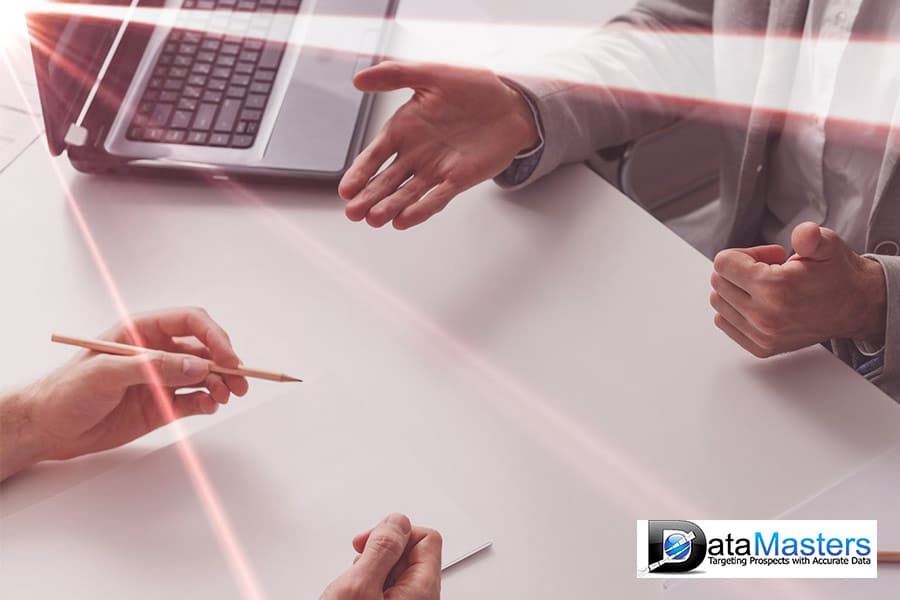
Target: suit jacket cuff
column 887, row 375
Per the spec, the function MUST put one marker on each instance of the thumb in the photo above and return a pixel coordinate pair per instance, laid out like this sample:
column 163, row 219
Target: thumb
column 390, row 75
column 384, row 548
column 169, row 369
column 815, row 243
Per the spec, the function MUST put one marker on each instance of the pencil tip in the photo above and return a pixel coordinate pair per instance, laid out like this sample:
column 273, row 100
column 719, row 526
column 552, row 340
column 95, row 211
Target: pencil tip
column 289, row 379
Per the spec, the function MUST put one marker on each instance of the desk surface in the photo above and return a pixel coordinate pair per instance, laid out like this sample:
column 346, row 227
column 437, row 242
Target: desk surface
column 539, row 350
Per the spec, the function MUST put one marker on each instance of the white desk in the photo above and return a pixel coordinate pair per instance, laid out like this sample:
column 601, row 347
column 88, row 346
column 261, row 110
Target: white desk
column 539, row 350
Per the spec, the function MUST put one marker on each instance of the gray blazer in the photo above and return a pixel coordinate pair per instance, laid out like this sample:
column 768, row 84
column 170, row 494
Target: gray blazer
column 578, row 121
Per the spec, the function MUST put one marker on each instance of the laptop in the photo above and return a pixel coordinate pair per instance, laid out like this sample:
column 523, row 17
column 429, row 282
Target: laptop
column 221, row 87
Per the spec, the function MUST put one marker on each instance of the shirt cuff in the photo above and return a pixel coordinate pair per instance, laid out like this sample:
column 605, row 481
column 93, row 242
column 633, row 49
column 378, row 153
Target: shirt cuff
column 537, row 125
column 525, row 163
column 865, row 348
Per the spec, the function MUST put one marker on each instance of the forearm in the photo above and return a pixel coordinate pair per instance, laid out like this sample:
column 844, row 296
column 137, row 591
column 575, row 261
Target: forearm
column 639, row 74
column 20, row 446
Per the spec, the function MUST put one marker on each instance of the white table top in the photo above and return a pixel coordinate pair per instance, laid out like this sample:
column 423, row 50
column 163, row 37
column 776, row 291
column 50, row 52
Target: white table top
column 539, row 350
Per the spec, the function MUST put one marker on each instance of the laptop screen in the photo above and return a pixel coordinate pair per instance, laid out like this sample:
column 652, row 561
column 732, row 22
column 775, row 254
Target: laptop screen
column 69, row 46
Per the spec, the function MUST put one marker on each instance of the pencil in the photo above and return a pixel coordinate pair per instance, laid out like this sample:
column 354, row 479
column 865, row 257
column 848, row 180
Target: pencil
column 889, row 556
column 127, row 350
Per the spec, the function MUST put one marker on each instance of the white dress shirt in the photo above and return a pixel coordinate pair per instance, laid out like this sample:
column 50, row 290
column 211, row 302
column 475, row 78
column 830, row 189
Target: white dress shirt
column 825, row 168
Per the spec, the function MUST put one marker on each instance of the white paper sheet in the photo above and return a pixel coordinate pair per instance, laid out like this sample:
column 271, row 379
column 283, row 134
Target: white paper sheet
column 872, row 492
column 298, row 478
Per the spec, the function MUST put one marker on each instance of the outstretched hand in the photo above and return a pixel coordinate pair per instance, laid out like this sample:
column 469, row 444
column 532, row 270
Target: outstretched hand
column 461, row 127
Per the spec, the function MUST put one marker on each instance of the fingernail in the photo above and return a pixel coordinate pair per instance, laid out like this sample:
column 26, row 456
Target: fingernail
column 399, row 521
column 194, row 367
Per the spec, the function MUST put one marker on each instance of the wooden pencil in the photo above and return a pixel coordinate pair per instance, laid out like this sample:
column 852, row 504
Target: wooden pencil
column 127, row 350
column 889, row 556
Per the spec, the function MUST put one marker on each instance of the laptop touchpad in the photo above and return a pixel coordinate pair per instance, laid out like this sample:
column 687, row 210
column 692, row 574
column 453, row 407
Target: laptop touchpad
column 314, row 129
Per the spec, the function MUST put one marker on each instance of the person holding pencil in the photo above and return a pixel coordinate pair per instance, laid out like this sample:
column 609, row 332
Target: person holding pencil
column 107, row 396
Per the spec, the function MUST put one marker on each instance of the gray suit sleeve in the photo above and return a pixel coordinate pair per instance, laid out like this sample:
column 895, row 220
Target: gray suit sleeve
column 882, row 369
column 620, row 83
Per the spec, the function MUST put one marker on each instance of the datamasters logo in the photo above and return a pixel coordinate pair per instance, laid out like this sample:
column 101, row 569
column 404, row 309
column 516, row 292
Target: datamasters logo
column 757, row 549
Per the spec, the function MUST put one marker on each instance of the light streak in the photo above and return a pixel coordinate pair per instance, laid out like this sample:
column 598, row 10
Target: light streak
column 234, row 555
column 665, row 71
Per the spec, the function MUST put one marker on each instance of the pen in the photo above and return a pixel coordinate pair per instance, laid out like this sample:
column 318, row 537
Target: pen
column 127, row 350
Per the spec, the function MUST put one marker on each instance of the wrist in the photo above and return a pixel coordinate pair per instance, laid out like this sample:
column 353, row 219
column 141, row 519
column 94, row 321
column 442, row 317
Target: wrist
column 21, row 444
column 873, row 294
column 524, row 131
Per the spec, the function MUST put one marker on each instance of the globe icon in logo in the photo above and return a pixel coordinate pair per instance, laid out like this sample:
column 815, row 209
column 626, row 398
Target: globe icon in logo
column 677, row 547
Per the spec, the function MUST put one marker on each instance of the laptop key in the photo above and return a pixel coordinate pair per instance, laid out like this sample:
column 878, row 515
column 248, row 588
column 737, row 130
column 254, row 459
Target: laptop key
column 271, row 56
column 153, row 134
column 188, row 104
column 168, row 96
column 211, row 96
column 228, row 114
column 181, row 119
column 256, row 101
column 242, row 141
column 251, row 115
column 205, row 115
column 264, row 75
column 197, row 138
column 236, row 91
column 219, row 139
column 245, row 68
column 174, row 137
column 161, row 114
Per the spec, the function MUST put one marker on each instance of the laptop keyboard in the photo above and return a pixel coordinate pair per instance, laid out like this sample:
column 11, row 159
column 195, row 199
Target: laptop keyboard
column 213, row 79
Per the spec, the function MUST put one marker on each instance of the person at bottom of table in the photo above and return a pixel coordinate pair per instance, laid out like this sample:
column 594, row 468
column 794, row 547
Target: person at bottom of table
column 97, row 402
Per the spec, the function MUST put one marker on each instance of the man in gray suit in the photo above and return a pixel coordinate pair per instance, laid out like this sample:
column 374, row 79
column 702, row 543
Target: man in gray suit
column 794, row 178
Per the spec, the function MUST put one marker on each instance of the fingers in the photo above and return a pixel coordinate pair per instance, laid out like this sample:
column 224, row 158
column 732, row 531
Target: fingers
column 194, row 403
column 196, row 322
column 736, row 319
column 163, row 326
column 419, row 212
column 739, row 267
column 422, row 562
column 219, row 391
column 155, row 368
column 384, row 184
column 367, row 164
column 732, row 294
column 386, row 210
column 188, row 346
column 742, row 340
column 391, row 75
column 383, row 549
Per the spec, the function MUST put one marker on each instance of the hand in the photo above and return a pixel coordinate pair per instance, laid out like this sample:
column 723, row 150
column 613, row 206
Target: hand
column 396, row 562
column 100, row 401
column 770, row 304
column 461, row 127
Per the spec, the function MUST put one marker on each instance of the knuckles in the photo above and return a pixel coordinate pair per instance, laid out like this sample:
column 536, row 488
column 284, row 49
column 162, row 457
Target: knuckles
column 386, row 544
